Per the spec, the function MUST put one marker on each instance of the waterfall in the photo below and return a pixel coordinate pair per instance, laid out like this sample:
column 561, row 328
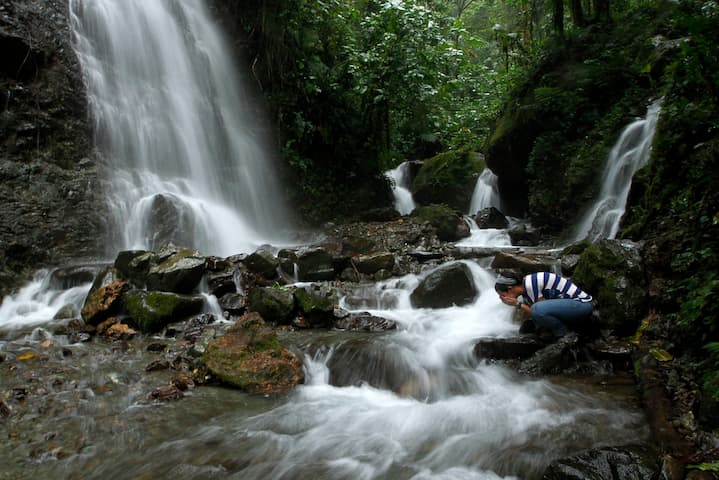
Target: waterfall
column 184, row 156
column 400, row 178
column 486, row 192
column 629, row 154
column 485, row 195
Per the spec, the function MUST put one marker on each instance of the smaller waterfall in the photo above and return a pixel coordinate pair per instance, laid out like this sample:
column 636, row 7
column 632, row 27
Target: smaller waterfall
column 629, row 154
column 486, row 193
column 400, row 178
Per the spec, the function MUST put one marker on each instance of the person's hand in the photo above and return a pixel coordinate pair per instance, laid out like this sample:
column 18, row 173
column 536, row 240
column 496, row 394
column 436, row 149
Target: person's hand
column 507, row 300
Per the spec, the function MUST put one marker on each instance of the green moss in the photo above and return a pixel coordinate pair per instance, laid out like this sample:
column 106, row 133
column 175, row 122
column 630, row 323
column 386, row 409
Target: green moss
column 448, row 178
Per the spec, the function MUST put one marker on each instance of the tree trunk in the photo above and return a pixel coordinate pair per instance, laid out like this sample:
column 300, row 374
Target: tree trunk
column 575, row 7
column 558, row 17
column 601, row 11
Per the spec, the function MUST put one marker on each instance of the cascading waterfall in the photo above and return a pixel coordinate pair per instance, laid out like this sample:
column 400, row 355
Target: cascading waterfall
column 185, row 158
column 629, row 154
column 400, row 179
column 486, row 192
column 485, row 195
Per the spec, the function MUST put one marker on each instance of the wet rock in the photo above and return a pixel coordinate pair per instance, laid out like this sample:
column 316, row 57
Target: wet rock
column 519, row 347
column 364, row 322
column 612, row 271
column 249, row 356
column 183, row 381
column 104, row 302
column 626, row 463
column 134, row 265
column 5, row 410
column 317, row 303
column 169, row 220
column 491, row 218
column 275, row 305
column 220, row 283
column 617, row 352
column 448, row 178
column 73, row 276
column 553, row 358
column 157, row 365
column 120, row 331
column 152, row 311
column 446, row 286
column 233, row 303
column 167, row 393
column 524, row 235
column 67, row 311
column 263, row 262
column 449, row 226
column 181, row 272
column 315, row 265
column 370, row 264
column 524, row 263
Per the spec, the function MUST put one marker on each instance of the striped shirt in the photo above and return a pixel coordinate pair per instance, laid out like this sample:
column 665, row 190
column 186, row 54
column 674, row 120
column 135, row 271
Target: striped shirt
column 551, row 286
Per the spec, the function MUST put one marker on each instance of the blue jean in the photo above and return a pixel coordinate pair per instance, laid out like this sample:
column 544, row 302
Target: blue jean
column 558, row 315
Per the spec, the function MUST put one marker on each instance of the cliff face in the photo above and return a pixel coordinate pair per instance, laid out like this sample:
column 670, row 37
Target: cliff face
column 51, row 209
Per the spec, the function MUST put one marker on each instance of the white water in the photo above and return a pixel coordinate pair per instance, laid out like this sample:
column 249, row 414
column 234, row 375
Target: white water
column 400, row 178
column 485, row 195
column 629, row 154
column 447, row 418
column 37, row 303
column 486, row 192
column 172, row 120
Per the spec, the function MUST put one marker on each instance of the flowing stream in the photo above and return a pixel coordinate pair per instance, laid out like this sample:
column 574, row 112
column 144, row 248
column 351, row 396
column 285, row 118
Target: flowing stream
column 185, row 158
column 413, row 403
column 409, row 404
column 629, row 154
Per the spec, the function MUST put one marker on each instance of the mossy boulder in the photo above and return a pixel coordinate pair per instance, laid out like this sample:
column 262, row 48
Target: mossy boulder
column 250, row 356
column 275, row 304
column 317, row 304
column 448, row 224
column 180, row 272
column 134, row 265
column 152, row 311
column 448, row 178
column 263, row 262
column 612, row 271
column 315, row 265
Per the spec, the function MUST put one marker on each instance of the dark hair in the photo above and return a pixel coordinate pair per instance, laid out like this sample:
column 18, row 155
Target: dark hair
column 503, row 283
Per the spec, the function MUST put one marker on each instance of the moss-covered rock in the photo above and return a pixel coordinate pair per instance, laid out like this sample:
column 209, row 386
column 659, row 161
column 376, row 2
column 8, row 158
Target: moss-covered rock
column 317, row 304
column 251, row 357
column 448, row 224
column 152, row 311
column 274, row 304
column 180, row 272
column 448, row 178
column 612, row 272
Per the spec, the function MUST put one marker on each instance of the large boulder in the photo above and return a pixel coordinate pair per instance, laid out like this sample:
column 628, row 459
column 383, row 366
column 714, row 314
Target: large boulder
column 180, row 272
column 133, row 265
column 249, row 356
column 152, row 311
column 104, row 299
column 373, row 263
column 169, row 219
column 263, row 262
column 525, row 263
column 491, row 218
column 316, row 304
column 276, row 305
column 315, row 265
column 612, row 271
column 449, row 225
column 448, row 178
column 448, row 285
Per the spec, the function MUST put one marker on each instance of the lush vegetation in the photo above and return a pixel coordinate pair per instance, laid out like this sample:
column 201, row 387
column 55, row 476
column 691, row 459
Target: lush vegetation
column 542, row 88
